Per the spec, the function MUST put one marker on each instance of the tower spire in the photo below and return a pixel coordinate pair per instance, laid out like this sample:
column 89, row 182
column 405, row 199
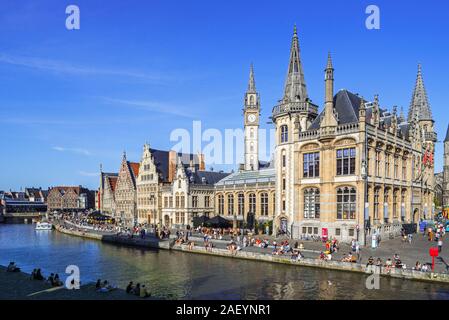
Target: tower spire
column 251, row 82
column 295, row 86
column 419, row 107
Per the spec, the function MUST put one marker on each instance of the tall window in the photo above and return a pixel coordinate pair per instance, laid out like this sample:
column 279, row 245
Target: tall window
column 284, row 159
column 395, row 204
column 220, row 204
column 404, row 168
column 396, row 167
column 230, row 204
column 403, row 205
column 206, row 201
column 252, row 203
column 312, row 203
column 346, row 161
column 283, row 183
column 183, row 201
column 241, row 204
column 387, row 165
column 195, row 201
column 264, row 204
column 346, row 203
column 377, row 173
column 311, row 165
column 284, row 133
column 177, row 201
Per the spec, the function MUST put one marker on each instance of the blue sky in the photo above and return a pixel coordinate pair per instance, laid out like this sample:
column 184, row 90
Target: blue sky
column 136, row 70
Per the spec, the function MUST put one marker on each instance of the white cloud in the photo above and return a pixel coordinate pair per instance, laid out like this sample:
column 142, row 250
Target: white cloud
column 67, row 68
column 72, row 150
column 154, row 106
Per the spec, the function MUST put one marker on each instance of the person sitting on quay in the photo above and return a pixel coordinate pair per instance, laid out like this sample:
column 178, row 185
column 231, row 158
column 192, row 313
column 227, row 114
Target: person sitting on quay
column 370, row 262
column 136, row 290
column 56, row 281
column 129, row 287
column 143, row 292
column 388, row 265
column 98, row 284
column 106, row 287
column 12, row 267
column 51, row 279
column 191, row 245
column 417, row 266
column 38, row 275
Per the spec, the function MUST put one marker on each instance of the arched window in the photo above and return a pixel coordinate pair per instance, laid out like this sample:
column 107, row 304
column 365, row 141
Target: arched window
column 252, row 203
column 241, row 204
column 346, row 203
column 220, row 204
column 284, row 133
column 251, row 133
column 264, row 204
column 251, row 100
column 230, row 204
column 312, row 203
column 251, row 148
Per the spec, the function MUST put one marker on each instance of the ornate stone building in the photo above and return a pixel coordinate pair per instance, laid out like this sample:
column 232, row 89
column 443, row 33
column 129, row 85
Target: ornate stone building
column 126, row 193
column 445, row 184
column 190, row 195
column 250, row 191
column 355, row 167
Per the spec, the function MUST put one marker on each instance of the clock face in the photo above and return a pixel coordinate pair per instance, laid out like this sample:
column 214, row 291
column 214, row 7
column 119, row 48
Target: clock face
column 251, row 118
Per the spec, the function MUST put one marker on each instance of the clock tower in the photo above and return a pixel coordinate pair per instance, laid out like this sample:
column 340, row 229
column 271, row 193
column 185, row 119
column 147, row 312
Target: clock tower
column 251, row 113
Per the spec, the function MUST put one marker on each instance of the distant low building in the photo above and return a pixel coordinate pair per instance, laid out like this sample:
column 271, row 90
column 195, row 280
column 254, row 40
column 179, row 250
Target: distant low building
column 67, row 198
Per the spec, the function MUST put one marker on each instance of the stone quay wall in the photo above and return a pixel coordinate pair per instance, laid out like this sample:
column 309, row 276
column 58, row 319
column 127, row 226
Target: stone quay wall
column 255, row 256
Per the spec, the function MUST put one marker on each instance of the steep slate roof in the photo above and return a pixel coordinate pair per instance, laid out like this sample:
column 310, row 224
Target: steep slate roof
column 210, row 177
column 419, row 106
column 161, row 161
column 346, row 105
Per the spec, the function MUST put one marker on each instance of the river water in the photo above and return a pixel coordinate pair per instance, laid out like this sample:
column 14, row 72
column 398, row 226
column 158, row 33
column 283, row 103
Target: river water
column 181, row 275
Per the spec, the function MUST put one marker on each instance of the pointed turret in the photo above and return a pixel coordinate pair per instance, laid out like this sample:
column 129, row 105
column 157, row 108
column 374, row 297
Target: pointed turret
column 419, row 107
column 251, row 82
column 295, row 86
column 329, row 117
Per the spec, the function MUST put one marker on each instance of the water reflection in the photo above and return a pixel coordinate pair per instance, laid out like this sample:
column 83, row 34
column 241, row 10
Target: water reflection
column 192, row 276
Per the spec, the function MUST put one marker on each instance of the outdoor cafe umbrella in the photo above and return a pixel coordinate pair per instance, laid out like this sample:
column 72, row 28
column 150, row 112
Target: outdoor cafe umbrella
column 218, row 222
column 198, row 221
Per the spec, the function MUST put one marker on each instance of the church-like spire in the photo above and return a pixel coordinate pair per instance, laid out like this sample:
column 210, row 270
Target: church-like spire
column 251, row 82
column 419, row 107
column 295, row 86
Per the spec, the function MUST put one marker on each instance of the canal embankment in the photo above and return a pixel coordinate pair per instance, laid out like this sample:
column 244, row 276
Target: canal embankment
column 407, row 274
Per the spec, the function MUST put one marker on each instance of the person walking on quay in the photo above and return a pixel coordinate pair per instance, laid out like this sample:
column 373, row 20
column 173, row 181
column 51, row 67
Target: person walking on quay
column 440, row 244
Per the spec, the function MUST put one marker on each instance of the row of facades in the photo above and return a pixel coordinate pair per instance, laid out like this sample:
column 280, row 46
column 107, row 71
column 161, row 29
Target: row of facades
column 347, row 171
